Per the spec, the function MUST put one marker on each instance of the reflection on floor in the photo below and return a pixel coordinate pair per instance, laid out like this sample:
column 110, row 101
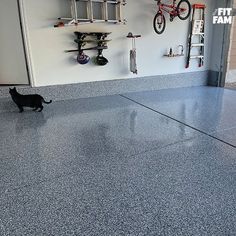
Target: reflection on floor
column 151, row 163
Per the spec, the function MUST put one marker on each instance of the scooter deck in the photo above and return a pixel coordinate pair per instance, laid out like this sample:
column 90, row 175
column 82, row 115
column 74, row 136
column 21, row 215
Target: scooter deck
column 91, row 41
column 93, row 33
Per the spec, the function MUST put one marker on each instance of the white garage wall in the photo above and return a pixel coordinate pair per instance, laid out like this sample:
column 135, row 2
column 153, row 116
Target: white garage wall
column 13, row 68
column 52, row 66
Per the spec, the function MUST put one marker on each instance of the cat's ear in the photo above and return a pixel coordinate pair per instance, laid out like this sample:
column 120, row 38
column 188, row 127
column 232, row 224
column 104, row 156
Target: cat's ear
column 14, row 88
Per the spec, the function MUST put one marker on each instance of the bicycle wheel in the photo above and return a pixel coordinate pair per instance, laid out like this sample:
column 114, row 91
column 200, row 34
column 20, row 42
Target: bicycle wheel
column 183, row 9
column 159, row 23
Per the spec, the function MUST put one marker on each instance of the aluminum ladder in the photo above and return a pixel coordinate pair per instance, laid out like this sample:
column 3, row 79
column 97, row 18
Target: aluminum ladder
column 75, row 20
column 197, row 35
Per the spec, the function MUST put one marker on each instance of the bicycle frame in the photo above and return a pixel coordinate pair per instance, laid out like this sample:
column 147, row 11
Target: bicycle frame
column 174, row 10
column 171, row 9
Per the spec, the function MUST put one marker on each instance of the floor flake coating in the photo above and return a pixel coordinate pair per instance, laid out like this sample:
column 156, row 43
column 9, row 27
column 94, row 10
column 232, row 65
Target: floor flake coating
column 150, row 163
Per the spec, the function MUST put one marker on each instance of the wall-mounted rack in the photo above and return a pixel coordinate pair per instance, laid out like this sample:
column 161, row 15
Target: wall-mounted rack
column 98, row 38
column 130, row 35
column 75, row 19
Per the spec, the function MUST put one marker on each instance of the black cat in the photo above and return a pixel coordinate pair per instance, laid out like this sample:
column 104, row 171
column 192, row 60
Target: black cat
column 33, row 100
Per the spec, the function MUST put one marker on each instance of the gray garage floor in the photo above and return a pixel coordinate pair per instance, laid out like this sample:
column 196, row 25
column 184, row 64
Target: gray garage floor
column 152, row 163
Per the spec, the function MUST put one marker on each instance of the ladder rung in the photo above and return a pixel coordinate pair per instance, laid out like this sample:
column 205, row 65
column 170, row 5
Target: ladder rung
column 197, row 44
column 196, row 56
column 199, row 6
column 102, row 1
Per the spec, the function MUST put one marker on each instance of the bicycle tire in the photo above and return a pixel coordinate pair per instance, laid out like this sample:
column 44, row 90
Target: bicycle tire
column 189, row 9
column 155, row 25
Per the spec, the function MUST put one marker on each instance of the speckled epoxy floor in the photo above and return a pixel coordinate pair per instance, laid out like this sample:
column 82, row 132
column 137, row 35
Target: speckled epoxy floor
column 153, row 163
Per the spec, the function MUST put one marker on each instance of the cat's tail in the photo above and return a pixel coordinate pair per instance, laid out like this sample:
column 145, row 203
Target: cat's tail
column 47, row 102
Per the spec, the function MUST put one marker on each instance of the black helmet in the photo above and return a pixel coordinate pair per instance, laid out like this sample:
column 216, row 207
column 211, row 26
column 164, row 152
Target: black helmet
column 83, row 58
column 101, row 60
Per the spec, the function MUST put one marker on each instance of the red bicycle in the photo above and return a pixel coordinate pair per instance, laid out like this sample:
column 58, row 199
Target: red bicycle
column 182, row 10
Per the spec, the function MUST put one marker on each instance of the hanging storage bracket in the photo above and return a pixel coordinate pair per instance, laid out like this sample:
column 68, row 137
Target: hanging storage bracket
column 133, row 54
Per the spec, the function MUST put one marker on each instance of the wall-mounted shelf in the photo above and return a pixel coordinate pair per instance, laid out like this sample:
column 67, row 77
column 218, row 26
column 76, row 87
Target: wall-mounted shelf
column 75, row 19
column 174, row 55
column 171, row 54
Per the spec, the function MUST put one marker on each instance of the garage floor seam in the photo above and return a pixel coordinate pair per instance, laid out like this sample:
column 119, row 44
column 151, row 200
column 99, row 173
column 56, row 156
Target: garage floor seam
column 163, row 114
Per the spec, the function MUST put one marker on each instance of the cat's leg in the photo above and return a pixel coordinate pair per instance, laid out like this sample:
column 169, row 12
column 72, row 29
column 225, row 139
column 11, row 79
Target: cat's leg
column 20, row 108
column 41, row 108
column 35, row 109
